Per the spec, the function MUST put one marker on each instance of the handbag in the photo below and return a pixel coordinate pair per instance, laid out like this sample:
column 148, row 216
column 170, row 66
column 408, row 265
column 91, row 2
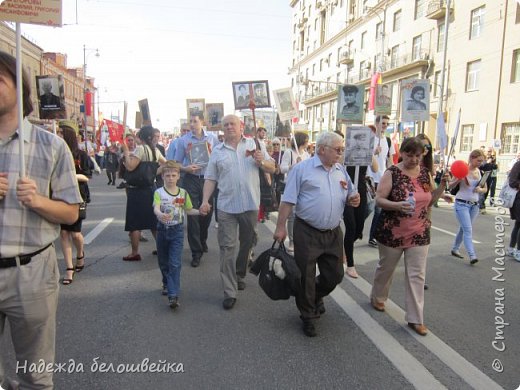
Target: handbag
column 143, row 175
column 371, row 196
column 83, row 210
column 507, row 195
column 278, row 274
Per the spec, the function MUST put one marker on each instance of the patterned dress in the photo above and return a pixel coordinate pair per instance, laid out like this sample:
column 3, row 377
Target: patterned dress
column 400, row 230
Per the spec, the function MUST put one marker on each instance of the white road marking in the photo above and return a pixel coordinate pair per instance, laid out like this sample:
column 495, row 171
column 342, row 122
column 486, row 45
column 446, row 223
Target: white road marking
column 91, row 236
column 404, row 361
column 452, row 234
column 462, row 367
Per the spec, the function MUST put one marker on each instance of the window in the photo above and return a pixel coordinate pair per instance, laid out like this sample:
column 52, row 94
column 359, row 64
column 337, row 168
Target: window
column 510, row 137
column 477, row 22
column 467, row 138
column 362, row 69
column 473, row 75
column 517, row 19
column 379, row 30
column 515, row 69
column 321, row 64
column 420, row 8
column 397, row 21
column 316, row 24
column 363, row 39
column 394, row 56
column 329, row 59
column 323, row 27
column 416, row 49
column 440, row 37
column 313, row 69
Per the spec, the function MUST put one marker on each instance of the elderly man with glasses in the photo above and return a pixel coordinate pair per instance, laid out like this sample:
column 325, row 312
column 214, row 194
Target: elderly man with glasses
column 318, row 188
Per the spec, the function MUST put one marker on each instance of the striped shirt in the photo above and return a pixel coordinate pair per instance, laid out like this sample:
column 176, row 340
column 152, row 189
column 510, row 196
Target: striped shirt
column 49, row 163
column 237, row 175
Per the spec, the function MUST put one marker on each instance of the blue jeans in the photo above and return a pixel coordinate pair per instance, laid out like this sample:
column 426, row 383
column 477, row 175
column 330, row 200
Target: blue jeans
column 465, row 214
column 170, row 241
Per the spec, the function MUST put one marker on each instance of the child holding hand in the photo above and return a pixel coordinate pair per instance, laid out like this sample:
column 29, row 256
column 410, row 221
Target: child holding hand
column 170, row 204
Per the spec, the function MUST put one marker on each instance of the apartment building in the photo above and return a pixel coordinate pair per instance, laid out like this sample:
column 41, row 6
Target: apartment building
column 346, row 41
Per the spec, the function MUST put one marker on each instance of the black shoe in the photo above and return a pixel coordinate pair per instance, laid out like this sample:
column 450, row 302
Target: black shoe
column 121, row 185
column 426, row 286
column 204, row 247
column 241, row 285
column 457, row 254
column 308, row 328
column 173, row 302
column 154, row 252
column 195, row 261
column 473, row 261
column 164, row 290
column 372, row 242
column 320, row 307
column 110, row 182
column 113, row 183
column 228, row 303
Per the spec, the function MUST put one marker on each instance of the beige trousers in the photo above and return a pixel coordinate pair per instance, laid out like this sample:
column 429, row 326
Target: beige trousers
column 415, row 271
column 28, row 300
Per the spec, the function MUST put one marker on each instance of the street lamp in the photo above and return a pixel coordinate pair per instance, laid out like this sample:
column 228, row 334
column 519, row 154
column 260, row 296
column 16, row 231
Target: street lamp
column 85, row 49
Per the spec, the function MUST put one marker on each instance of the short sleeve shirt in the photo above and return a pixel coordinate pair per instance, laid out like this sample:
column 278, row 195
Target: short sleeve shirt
column 173, row 204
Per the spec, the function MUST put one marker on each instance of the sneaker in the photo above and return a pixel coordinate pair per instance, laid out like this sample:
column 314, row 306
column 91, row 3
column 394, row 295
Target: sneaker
column 516, row 255
column 216, row 225
column 372, row 242
column 173, row 302
column 510, row 251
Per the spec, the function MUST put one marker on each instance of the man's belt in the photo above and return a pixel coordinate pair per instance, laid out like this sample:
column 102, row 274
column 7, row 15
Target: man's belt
column 312, row 227
column 6, row 262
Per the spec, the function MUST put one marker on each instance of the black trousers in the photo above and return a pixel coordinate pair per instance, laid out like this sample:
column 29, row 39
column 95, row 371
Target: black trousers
column 197, row 224
column 325, row 249
column 354, row 218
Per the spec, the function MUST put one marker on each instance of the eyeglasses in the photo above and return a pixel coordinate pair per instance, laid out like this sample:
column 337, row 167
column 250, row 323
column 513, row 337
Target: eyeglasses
column 338, row 150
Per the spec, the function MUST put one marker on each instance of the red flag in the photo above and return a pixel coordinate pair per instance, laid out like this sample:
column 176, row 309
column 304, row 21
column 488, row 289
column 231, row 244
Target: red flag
column 376, row 79
column 88, row 103
column 115, row 131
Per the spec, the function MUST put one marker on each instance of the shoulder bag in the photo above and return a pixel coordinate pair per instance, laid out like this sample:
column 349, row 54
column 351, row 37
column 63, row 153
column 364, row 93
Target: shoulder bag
column 144, row 174
column 507, row 195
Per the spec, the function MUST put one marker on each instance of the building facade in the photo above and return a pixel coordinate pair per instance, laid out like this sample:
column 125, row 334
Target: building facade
column 38, row 63
column 338, row 42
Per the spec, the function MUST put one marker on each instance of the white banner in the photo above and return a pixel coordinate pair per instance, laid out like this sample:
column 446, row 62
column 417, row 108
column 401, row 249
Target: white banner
column 47, row 12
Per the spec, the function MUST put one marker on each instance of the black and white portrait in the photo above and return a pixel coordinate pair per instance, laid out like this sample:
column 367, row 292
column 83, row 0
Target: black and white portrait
column 51, row 97
column 359, row 145
column 199, row 153
column 416, row 99
column 350, row 103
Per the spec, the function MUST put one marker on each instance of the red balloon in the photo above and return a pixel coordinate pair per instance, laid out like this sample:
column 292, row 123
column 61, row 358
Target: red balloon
column 459, row 169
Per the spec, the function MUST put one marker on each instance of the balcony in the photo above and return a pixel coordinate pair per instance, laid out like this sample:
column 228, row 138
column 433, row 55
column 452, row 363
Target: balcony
column 346, row 58
column 437, row 9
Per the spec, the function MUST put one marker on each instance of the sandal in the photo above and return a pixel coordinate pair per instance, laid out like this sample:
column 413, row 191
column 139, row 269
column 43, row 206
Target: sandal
column 67, row 281
column 79, row 268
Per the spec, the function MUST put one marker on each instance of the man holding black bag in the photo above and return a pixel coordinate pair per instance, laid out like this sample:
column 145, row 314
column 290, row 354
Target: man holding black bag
column 318, row 188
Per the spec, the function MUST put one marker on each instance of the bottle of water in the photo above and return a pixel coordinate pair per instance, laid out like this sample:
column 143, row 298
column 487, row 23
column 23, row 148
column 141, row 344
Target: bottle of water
column 411, row 200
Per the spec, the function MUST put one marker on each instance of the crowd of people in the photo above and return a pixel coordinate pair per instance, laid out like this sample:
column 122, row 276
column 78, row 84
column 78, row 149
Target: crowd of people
column 198, row 175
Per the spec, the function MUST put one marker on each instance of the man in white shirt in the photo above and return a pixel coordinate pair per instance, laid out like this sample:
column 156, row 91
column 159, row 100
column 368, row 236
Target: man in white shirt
column 383, row 150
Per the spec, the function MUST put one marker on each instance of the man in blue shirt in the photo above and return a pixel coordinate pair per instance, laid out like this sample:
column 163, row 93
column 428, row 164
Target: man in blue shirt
column 193, row 181
column 318, row 188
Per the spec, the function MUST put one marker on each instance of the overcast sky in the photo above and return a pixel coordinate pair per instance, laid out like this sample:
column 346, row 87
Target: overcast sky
column 171, row 50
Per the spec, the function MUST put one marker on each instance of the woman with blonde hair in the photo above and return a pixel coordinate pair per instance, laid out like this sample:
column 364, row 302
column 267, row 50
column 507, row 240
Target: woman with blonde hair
column 466, row 205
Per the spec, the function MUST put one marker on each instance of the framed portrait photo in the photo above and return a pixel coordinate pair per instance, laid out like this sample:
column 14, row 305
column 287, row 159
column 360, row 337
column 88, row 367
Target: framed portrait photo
column 416, row 100
column 145, row 112
column 199, row 153
column 196, row 107
column 285, row 103
column 350, row 103
column 359, row 146
column 247, row 92
column 214, row 115
column 51, row 97
column 383, row 104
